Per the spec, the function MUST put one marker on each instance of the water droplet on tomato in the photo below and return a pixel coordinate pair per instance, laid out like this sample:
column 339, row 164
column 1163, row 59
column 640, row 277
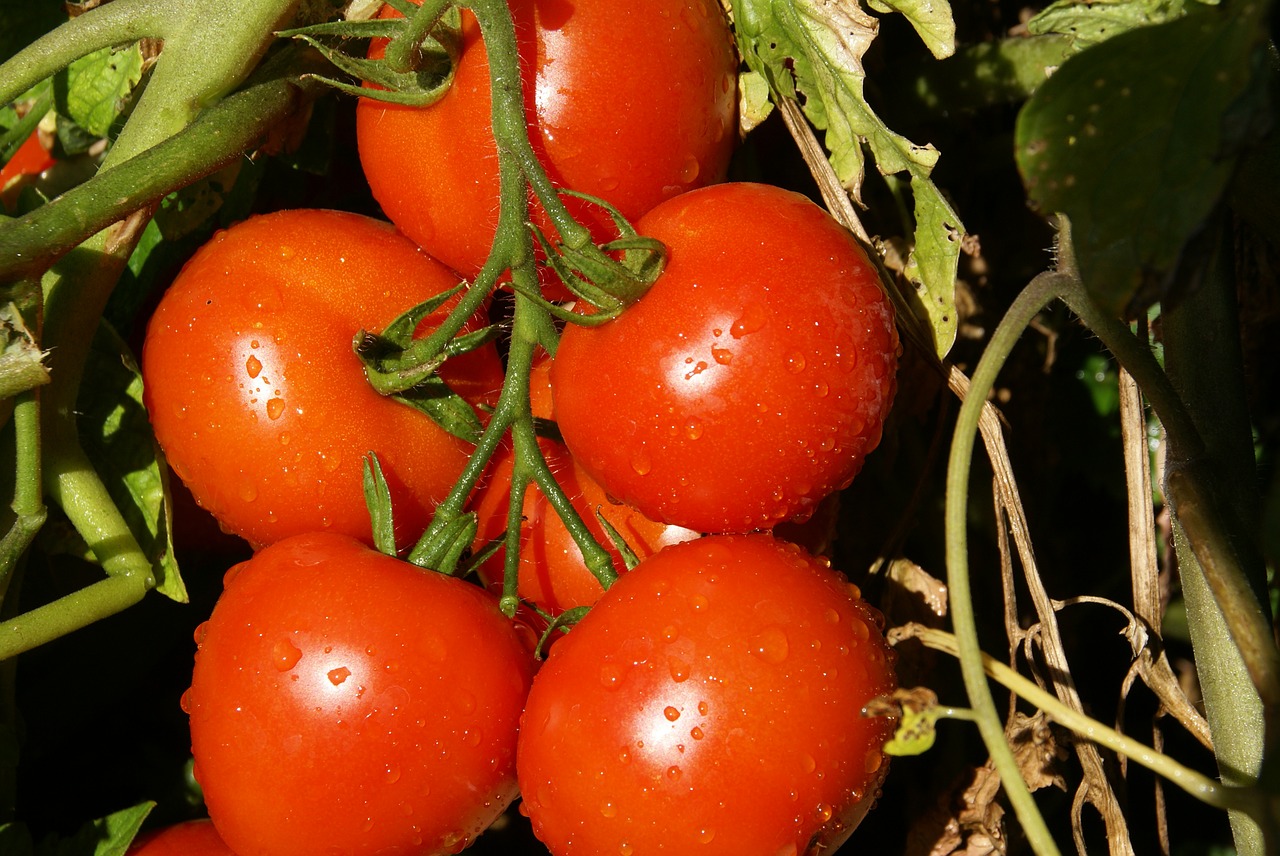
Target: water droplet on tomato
column 693, row 428
column 367, row 826
column 698, row 602
column 671, row 713
column 795, row 363
column 331, row 462
column 723, row 356
column 608, row 809
column 696, row 733
column 679, row 669
column 703, row 707
column 611, row 675
column 674, row 773
column 822, row 812
column 706, row 836
column 625, row 849
column 285, row 655
column 185, row 701
column 752, row 319
column 641, row 464
column 771, row 645
column 471, row 737
column 253, row 366
column 391, row 775
column 338, row 675
column 690, row 169
column 248, row 492
column 275, row 408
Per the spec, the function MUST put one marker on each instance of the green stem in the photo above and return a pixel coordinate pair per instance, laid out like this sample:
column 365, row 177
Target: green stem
column 402, row 51
column 1038, row 294
column 1213, row 793
column 67, row 614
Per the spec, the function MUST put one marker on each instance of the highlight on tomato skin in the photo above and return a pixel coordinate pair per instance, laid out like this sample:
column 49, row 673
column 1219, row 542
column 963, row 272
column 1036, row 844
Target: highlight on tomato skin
column 260, row 404
column 750, row 381
column 710, row 703
column 634, row 101
column 345, row 701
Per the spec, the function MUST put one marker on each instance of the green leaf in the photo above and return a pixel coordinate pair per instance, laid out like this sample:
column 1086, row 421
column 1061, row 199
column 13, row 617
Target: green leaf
column 932, row 21
column 117, row 437
column 94, row 90
column 448, row 409
column 1136, row 139
column 107, row 836
column 815, row 48
column 1094, row 21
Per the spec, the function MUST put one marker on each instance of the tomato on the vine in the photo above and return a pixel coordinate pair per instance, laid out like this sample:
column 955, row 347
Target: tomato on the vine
column 553, row 574
column 750, row 381
column 192, row 838
column 257, row 397
column 633, row 101
column 344, row 701
column 709, row 703
column 31, row 159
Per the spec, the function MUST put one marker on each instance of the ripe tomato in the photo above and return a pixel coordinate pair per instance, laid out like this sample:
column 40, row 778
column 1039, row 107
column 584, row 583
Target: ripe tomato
column 31, row 158
column 630, row 100
column 255, row 393
column 553, row 574
column 709, row 703
column 193, row 838
column 750, row 381
column 346, row 702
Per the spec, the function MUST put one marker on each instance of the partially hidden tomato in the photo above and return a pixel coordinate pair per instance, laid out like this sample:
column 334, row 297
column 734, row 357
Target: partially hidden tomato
column 633, row 101
column 553, row 574
column 344, row 701
column 750, row 381
column 710, row 703
column 31, row 159
column 193, row 838
column 260, row 403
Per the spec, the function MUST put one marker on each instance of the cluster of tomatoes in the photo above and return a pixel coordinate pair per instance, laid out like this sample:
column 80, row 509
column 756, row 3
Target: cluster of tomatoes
column 344, row 701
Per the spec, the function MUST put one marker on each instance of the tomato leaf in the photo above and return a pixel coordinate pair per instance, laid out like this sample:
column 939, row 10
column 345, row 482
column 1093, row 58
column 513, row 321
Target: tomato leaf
column 448, row 409
column 811, row 51
column 95, row 89
column 21, row 359
column 1136, row 139
column 117, row 437
column 1098, row 20
column 932, row 22
column 107, row 836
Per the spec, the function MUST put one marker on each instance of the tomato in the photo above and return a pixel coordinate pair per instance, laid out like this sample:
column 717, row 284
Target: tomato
column 260, row 403
column 630, row 100
column 346, row 702
column 750, row 381
column 709, row 703
column 193, row 838
column 31, row 158
column 553, row 574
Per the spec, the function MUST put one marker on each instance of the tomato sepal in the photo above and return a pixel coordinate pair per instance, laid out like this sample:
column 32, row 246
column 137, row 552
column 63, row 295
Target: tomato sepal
column 446, row 408
column 377, row 496
column 562, row 623
column 441, row 550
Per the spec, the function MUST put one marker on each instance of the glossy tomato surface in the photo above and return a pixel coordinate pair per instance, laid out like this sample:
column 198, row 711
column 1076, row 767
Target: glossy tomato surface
column 631, row 100
column 193, row 838
column 553, row 574
column 347, row 702
column 257, row 397
column 752, row 379
column 709, row 704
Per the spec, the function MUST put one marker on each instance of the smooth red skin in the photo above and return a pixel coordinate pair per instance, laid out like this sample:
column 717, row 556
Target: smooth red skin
column 193, row 838
column 631, row 100
column 31, row 158
column 553, row 574
column 347, row 702
column 709, row 704
column 257, row 398
column 750, row 381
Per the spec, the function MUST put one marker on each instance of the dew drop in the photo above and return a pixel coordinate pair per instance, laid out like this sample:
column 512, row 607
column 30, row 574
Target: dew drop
column 285, row 655
column 275, row 407
column 338, row 675
column 674, row 773
column 679, row 669
column 185, row 701
column 625, row 849
column 689, row 171
column 641, row 464
column 671, row 713
column 807, row 763
column 248, row 492
column 795, row 363
column 698, row 602
column 696, row 733
column 771, row 645
column 608, row 809
column 860, row 630
column 392, row 774
column 609, row 183
column 723, row 356
column 752, row 319
column 874, row 759
column 832, row 616
column 706, row 836
column 367, row 826
column 693, row 428
column 822, row 812
column 253, row 366
column 611, row 675
column 670, row 633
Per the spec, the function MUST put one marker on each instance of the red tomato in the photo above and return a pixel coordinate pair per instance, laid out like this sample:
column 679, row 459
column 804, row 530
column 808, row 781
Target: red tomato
column 553, row 575
column 260, row 403
column 709, row 704
column 750, row 381
column 31, row 158
column 630, row 100
column 346, row 702
column 193, row 838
